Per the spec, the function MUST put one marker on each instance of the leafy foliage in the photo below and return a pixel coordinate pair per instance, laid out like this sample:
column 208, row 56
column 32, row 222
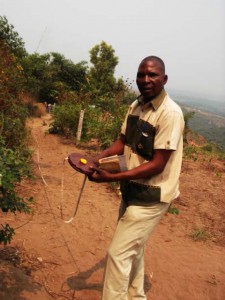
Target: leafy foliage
column 104, row 100
column 51, row 76
column 13, row 112
column 105, row 124
column 98, row 123
column 66, row 118
column 14, row 155
column 35, row 68
column 6, row 234
column 208, row 124
column 101, row 75
column 13, row 168
column 73, row 75
column 11, row 38
column 11, row 79
column 205, row 125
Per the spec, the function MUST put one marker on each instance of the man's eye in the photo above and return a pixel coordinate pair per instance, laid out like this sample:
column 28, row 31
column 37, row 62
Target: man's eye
column 150, row 75
column 139, row 75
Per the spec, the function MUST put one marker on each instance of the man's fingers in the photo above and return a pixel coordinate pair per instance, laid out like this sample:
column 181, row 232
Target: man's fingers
column 95, row 169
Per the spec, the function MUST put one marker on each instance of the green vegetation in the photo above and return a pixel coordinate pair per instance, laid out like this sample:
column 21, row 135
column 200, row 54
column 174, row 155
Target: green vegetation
column 101, row 76
column 212, row 131
column 209, row 125
column 11, row 38
column 52, row 78
column 200, row 234
column 173, row 210
column 102, row 98
column 195, row 145
column 207, row 152
column 66, row 118
column 14, row 155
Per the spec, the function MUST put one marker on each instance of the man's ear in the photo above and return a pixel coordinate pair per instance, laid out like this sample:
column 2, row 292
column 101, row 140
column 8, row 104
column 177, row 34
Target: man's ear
column 165, row 79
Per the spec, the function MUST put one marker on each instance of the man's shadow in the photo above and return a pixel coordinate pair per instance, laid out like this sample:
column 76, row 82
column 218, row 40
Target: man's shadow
column 78, row 282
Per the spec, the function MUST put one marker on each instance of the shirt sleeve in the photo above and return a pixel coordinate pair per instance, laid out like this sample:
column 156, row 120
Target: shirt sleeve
column 169, row 131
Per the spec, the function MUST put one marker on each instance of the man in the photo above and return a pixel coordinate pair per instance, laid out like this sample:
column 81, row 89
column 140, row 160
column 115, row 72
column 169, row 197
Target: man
column 151, row 138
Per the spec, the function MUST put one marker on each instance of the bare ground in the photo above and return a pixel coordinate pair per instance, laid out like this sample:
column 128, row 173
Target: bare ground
column 50, row 259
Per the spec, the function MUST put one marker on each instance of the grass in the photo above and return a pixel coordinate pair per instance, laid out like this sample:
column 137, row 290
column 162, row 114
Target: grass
column 173, row 210
column 218, row 174
column 200, row 234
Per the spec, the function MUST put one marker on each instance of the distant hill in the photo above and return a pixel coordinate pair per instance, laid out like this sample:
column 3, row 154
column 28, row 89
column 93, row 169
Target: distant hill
column 208, row 119
column 203, row 104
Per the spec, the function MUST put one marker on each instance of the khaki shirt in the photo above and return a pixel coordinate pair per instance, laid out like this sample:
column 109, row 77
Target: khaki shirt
column 167, row 118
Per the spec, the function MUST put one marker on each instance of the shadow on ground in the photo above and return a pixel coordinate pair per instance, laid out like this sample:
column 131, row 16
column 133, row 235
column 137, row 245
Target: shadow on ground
column 79, row 282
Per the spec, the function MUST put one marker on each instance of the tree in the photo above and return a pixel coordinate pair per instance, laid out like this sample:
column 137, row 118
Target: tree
column 12, row 38
column 73, row 75
column 51, row 75
column 36, row 69
column 101, row 76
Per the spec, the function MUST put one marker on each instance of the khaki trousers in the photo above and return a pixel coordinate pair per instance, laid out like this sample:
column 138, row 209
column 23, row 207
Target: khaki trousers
column 124, row 272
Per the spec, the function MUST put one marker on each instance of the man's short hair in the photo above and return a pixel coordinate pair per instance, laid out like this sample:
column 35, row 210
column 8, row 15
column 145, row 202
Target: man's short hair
column 157, row 59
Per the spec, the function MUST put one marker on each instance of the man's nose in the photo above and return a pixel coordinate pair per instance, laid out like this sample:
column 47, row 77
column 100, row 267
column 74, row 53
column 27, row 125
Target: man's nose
column 146, row 79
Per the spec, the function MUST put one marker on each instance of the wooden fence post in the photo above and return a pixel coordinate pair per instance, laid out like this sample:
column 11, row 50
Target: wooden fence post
column 80, row 125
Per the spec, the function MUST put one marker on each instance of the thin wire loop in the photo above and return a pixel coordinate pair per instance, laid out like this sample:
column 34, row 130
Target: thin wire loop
column 62, row 195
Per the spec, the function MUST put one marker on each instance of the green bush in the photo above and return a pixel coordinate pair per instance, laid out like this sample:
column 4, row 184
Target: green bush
column 101, row 121
column 104, row 125
column 13, row 167
column 66, row 118
column 6, row 234
column 190, row 152
column 13, row 121
column 14, row 155
column 208, row 148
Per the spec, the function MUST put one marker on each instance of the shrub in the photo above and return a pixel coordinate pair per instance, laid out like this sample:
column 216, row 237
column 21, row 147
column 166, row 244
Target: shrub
column 104, row 125
column 208, row 148
column 14, row 155
column 66, row 118
column 190, row 152
column 13, row 166
column 6, row 234
column 101, row 121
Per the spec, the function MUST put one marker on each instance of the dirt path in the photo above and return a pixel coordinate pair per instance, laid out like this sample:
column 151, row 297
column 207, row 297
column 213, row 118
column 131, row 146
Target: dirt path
column 49, row 259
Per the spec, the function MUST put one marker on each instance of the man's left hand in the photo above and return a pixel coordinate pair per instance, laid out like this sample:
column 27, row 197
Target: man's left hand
column 100, row 175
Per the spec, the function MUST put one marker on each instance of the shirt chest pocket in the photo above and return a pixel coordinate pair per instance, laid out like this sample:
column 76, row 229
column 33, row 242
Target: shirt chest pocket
column 140, row 136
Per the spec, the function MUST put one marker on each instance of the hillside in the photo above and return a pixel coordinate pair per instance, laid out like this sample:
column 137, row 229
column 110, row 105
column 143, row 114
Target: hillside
column 211, row 105
column 208, row 119
column 49, row 259
column 209, row 125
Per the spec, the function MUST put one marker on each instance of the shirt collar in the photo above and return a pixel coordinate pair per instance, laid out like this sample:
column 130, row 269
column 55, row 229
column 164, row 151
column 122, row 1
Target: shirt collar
column 155, row 103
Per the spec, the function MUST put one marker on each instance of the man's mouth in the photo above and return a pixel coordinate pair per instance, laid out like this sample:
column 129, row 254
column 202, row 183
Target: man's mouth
column 147, row 89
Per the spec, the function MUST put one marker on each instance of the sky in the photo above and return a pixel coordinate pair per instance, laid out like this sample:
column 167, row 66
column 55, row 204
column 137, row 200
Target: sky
column 188, row 35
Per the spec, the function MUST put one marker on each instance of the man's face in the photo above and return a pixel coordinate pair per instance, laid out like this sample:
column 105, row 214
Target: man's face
column 150, row 79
